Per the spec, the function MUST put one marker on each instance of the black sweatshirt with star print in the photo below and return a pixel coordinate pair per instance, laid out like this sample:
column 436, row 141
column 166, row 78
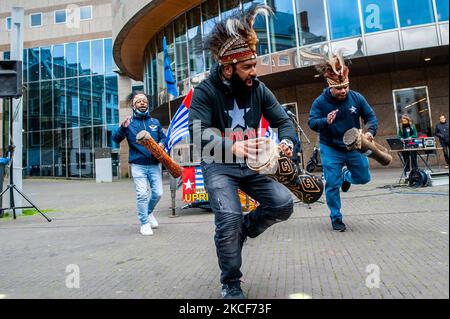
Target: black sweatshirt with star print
column 215, row 105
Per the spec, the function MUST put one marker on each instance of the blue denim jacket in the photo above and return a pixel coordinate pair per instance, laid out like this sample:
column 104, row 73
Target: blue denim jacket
column 139, row 154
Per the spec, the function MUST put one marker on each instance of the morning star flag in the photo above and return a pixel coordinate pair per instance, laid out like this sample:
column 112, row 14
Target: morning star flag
column 168, row 75
column 266, row 131
column 179, row 127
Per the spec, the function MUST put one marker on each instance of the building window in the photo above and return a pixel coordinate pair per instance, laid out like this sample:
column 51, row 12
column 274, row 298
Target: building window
column 195, row 45
column 260, row 27
column 282, row 25
column 228, row 8
column 35, row 20
column 344, row 18
column 8, row 23
column 84, row 58
column 182, row 63
column 415, row 12
column 414, row 102
column 86, row 13
column 46, row 63
column 311, row 21
column 210, row 12
column 63, row 115
column 442, row 9
column 378, row 15
column 60, row 16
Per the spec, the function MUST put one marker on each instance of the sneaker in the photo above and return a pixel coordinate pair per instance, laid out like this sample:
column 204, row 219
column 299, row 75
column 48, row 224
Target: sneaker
column 345, row 184
column 232, row 291
column 152, row 220
column 146, row 230
column 338, row 225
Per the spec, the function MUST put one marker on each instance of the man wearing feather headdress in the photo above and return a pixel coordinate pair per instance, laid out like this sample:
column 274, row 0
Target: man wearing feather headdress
column 232, row 100
column 337, row 110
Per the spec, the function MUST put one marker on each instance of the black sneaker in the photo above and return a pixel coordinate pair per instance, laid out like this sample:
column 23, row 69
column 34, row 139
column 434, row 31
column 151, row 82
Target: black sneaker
column 345, row 184
column 338, row 225
column 232, row 291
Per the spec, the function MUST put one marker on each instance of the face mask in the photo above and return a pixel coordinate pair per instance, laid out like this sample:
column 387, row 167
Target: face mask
column 139, row 113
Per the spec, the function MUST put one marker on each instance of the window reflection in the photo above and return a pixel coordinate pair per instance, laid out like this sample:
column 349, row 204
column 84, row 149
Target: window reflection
column 182, row 64
column 282, row 25
column 210, row 16
column 33, row 64
column 58, row 61
column 97, row 57
column 194, row 34
column 311, row 21
column 73, row 152
column 260, row 27
column 86, row 157
column 108, row 56
column 162, row 92
column 72, row 102
column 85, row 101
column 59, row 103
column 54, row 110
column 60, row 156
column 84, row 58
column 98, row 99
column 415, row 12
column 46, row 117
column 344, row 18
column 442, row 9
column 46, row 63
column 46, row 166
column 71, row 60
column 112, row 99
column 229, row 8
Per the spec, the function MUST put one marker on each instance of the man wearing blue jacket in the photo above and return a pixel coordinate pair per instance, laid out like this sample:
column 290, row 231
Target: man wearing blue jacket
column 144, row 166
column 335, row 111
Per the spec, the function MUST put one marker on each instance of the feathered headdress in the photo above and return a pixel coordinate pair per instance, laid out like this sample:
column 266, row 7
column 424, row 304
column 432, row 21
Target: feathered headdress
column 332, row 66
column 234, row 40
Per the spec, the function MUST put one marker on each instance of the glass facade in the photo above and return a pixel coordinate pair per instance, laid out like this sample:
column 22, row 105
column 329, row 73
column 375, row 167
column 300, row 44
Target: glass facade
column 343, row 18
column 415, row 12
column 378, row 15
column 362, row 27
column 442, row 9
column 311, row 21
column 71, row 107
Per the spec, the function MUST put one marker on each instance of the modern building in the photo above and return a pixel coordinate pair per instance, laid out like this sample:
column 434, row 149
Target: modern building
column 398, row 48
column 82, row 59
column 71, row 89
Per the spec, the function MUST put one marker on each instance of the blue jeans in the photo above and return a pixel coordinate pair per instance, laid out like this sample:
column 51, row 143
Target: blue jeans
column 333, row 161
column 142, row 174
column 222, row 182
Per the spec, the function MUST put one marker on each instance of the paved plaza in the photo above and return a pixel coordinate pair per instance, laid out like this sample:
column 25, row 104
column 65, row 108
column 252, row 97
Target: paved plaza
column 396, row 246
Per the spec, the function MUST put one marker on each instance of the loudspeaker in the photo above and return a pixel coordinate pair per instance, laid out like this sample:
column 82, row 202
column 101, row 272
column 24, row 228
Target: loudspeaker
column 10, row 79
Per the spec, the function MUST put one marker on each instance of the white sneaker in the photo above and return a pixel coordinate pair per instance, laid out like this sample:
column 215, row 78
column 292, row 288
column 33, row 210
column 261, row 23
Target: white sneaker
column 146, row 230
column 152, row 220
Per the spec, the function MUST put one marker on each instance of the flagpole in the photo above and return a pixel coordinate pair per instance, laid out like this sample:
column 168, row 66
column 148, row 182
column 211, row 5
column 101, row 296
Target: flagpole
column 170, row 110
column 173, row 181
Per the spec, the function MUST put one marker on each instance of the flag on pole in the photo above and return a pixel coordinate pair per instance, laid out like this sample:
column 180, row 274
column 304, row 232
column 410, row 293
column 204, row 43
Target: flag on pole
column 168, row 75
column 179, row 127
column 266, row 131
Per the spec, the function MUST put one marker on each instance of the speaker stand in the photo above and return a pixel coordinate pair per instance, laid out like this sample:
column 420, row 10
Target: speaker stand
column 11, row 187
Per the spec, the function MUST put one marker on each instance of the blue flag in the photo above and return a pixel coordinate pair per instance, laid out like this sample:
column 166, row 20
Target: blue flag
column 168, row 75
